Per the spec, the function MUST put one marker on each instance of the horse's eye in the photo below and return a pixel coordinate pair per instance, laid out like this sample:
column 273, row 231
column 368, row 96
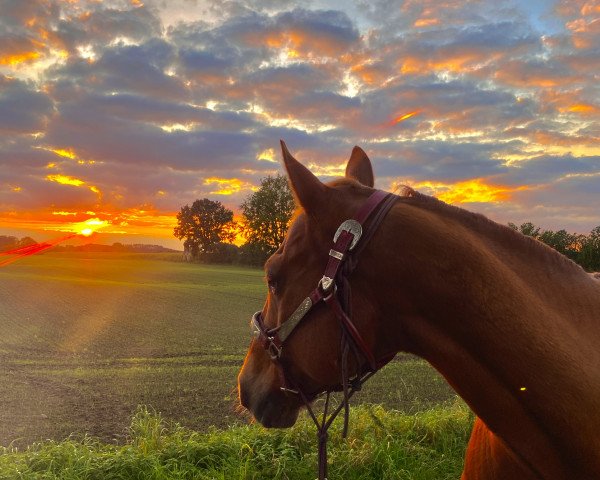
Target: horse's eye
column 272, row 284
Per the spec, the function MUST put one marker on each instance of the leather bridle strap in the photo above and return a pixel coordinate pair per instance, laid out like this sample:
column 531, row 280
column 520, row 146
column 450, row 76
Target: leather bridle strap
column 341, row 263
column 345, row 239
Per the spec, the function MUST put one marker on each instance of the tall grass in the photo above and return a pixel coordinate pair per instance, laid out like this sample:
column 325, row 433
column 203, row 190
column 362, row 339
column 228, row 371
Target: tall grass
column 382, row 444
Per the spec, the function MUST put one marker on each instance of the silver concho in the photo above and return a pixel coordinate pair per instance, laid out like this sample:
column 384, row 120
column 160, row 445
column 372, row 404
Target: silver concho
column 326, row 283
column 350, row 226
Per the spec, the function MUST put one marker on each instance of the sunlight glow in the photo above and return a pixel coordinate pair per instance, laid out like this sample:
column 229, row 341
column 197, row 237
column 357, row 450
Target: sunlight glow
column 89, row 226
column 62, row 152
column 228, row 186
column 64, row 214
column 267, row 155
column 174, row 127
column 18, row 58
column 65, row 180
column 406, row 116
column 338, row 170
column 476, row 190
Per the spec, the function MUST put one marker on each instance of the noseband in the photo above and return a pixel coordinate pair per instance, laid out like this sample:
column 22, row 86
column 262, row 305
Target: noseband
column 334, row 290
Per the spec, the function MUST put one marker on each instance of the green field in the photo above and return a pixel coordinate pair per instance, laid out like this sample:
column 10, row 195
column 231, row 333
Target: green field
column 86, row 338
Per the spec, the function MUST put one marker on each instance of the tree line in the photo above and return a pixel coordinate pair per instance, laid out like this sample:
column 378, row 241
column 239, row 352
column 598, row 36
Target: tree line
column 582, row 249
column 208, row 229
column 10, row 242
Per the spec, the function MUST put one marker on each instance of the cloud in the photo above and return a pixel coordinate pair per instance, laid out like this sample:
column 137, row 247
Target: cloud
column 22, row 108
column 160, row 104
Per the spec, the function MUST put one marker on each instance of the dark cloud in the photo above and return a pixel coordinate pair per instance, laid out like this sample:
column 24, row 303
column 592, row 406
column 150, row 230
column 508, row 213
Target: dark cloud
column 546, row 169
column 22, row 108
column 447, row 161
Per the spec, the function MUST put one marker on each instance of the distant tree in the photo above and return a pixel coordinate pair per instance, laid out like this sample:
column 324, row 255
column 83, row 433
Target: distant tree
column 527, row 228
column 562, row 241
column 583, row 249
column 589, row 253
column 118, row 247
column 204, row 226
column 266, row 216
column 25, row 242
column 8, row 242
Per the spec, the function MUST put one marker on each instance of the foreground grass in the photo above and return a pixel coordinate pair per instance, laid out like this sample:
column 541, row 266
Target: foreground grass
column 381, row 445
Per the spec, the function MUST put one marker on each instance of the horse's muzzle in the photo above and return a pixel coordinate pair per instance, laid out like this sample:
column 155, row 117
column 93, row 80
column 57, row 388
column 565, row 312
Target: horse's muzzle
column 271, row 408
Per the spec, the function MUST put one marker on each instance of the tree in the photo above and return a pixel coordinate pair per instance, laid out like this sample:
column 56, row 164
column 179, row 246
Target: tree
column 527, row 228
column 8, row 242
column 562, row 241
column 266, row 216
column 204, row 226
column 589, row 255
column 26, row 241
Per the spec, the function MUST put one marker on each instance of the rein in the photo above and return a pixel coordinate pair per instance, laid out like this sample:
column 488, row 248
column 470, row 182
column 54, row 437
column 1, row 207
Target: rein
column 333, row 288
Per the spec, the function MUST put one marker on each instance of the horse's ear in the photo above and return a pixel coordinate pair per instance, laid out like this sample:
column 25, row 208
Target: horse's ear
column 310, row 193
column 359, row 167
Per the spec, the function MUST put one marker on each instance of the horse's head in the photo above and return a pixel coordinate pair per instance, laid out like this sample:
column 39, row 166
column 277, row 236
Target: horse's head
column 310, row 357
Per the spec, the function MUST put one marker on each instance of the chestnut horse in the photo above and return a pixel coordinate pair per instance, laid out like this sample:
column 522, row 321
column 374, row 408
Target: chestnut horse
column 513, row 326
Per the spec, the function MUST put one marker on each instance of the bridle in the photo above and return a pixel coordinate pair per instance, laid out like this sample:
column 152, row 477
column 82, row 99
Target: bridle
column 334, row 290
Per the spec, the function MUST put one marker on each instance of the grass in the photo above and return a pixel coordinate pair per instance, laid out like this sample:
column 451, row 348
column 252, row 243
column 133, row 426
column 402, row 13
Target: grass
column 88, row 337
column 381, row 445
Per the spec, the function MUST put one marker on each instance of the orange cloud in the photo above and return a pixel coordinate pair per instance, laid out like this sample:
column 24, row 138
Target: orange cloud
column 426, row 22
column 476, row 190
column 370, row 74
column 17, row 58
column 298, row 42
column 582, row 108
column 451, row 61
column 406, row 116
column 227, row 186
column 68, row 180
column 522, row 75
column 61, row 152
column 65, row 180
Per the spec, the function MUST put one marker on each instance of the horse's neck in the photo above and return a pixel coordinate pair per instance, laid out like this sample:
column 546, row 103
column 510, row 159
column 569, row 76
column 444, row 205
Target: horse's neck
column 514, row 330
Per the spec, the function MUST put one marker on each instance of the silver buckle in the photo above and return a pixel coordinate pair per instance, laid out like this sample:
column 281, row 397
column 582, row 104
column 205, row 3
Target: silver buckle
column 325, row 283
column 254, row 327
column 274, row 350
column 351, row 226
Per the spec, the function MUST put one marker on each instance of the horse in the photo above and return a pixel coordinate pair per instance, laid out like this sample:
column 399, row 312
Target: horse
column 512, row 325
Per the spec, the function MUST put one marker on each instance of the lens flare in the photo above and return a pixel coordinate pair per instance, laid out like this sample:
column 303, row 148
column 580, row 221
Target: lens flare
column 18, row 253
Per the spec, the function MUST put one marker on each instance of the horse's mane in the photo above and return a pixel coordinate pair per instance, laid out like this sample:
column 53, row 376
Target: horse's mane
column 487, row 227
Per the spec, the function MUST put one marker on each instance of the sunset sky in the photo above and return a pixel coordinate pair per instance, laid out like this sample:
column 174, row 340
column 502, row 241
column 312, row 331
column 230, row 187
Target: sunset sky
column 117, row 113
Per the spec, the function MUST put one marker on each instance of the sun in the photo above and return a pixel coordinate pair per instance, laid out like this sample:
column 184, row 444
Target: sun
column 89, row 227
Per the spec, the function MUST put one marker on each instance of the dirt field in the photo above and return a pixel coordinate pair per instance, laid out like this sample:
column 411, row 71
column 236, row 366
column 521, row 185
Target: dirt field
column 86, row 338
